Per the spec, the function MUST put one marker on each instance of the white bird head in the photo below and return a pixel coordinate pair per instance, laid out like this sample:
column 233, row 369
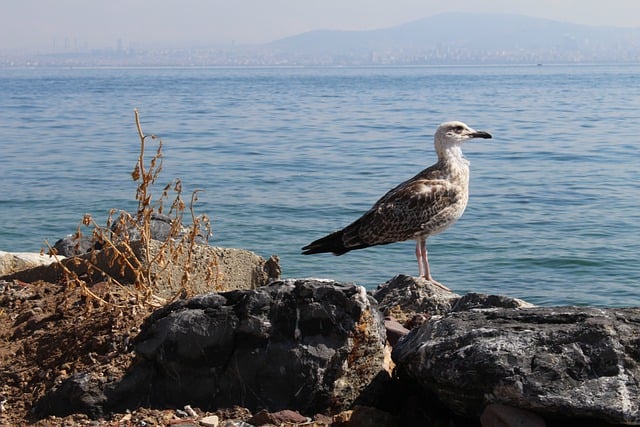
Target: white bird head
column 451, row 135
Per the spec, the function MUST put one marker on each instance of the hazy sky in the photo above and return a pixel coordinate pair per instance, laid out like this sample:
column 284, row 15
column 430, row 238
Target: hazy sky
column 43, row 24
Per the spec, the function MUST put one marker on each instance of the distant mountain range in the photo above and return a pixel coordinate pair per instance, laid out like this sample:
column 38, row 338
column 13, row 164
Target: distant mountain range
column 447, row 39
column 464, row 37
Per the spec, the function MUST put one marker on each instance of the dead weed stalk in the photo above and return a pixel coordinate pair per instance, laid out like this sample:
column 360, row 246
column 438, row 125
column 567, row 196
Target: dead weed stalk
column 128, row 253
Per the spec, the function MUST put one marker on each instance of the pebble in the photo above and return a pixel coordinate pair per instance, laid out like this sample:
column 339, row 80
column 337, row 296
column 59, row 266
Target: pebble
column 210, row 421
column 235, row 423
column 189, row 410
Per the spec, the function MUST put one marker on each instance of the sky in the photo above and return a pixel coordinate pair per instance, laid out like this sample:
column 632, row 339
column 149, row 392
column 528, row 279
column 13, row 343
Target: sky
column 55, row 24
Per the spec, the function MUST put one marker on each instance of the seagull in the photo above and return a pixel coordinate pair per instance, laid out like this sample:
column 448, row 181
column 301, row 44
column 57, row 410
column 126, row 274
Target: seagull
column 420, row 207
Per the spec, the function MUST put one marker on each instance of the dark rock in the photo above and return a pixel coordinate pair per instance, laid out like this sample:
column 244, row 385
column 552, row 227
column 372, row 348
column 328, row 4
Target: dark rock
column 80, row 393
column 277, row 418
column 496, row 415
column 404, row 296
column 363, row 416
column 70, row 245
column 558, row 362
column 472, row 301
column 160, row 227
column 305, row 345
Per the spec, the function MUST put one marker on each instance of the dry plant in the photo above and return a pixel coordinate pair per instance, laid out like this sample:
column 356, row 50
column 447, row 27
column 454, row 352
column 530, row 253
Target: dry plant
column 127, row 248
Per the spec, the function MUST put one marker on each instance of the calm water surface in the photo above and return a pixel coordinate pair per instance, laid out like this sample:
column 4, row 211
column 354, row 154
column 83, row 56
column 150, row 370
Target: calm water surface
column 286, row 155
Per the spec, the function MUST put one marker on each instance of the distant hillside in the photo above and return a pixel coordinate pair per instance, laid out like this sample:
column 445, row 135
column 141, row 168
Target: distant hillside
column 461, row 37
column 446, row 39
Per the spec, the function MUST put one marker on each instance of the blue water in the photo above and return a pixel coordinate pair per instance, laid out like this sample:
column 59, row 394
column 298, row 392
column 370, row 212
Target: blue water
column 286, row 155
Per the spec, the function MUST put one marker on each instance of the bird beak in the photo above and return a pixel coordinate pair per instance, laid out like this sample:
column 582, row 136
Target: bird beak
column 480, row 134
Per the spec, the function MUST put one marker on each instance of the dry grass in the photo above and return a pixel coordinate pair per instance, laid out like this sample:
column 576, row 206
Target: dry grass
column 126, row 240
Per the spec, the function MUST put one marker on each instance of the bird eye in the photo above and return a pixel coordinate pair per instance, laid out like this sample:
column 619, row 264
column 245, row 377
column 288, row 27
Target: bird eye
column 458, row 129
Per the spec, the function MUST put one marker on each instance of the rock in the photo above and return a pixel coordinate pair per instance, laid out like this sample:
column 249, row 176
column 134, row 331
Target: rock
column 404, row 296
column 286, row 416
column 209, row 421
column 306, row 345
column 212, row 268
column 496, row 415
column 394, row 329
column 160, row 226
column 342, row 419
column 472, row 301
column 411, row 300
column 14, row 262
column 159, row 229
column 182, row 414
column 363, row 416
column 235, row 423
column 190, row 412
column 80, row 393
column 70, row 246
column 272, row 267
column 556, row 361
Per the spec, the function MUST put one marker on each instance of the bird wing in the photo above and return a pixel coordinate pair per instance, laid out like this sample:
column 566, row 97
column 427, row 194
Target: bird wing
column 416, row 207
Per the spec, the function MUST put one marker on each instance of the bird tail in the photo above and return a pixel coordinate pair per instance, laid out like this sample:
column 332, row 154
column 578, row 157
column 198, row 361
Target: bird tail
column 331, row 243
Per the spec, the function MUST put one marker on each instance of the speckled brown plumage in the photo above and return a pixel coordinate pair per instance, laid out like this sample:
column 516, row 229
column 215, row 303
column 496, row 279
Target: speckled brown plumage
column 422, row 206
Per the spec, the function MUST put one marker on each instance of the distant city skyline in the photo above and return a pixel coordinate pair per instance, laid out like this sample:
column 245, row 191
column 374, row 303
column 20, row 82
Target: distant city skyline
column 122, row 24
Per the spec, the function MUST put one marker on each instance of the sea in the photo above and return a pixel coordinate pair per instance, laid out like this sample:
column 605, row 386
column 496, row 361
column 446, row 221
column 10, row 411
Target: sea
column 280, row 156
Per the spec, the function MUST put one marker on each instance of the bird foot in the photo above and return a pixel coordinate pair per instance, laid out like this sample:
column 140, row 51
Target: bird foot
column 436, row 283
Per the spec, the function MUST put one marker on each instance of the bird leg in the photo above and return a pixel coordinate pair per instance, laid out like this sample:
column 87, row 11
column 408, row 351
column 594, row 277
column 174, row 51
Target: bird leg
column 420, row 247
column 423, row 263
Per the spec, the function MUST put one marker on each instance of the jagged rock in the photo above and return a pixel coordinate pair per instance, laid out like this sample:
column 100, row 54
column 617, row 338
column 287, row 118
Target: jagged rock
column 285, row 416
column 475, row 300
column 13, row 262
column 80, row 393
column 160, row 226
column 159, row 229
column 555, row 361
column 305, row 345
column 212, row 268
column 70, row 245
column 404, row 296
column 412, row 300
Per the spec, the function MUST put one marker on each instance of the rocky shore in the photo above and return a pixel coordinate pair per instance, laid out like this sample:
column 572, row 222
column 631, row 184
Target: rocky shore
column 260, row 350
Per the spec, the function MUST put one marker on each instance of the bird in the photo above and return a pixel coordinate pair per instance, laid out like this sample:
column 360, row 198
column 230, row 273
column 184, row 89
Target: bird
column 416, row 209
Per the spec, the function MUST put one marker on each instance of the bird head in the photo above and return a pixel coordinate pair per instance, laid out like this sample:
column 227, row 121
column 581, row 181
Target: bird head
column 453, row 134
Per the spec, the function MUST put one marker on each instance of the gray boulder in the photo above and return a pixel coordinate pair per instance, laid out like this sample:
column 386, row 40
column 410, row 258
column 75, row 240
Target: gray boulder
column 160, row 227
column 411, row 300
column 474, row 300
column 211, row 268
column 405, row 296
column 559, row 362
column 71, row 245
column 306, row 345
